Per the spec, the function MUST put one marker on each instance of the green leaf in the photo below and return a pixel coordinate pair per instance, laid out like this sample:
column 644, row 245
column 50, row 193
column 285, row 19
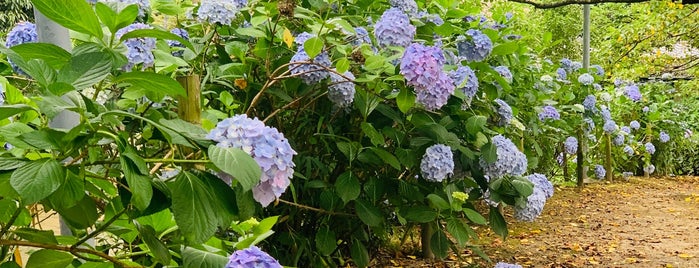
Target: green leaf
column 489, row 153
column 46, row 258
column 37, row 236
column 193, row 257
column 439, row 244
column 313, row 47
column 47, row 139
column 76, row 15
column 375, row 137
column 326, row 243
column 157, row 247
column 458, row 229
column 523, row 187
column 139, row 184
column 53, row 55
column 11, row 163
column 107, row 15
column 475, row 124
column 421, row 214
column 474, row 216
column 238, row 164
column 85, row 70
column 82, row 215
column 387, row 157
column 497, row 222
column 368, row 213
column 265, row 225
column 7, row 208
column 37, row 179
column 505, row 48
column 195, row 205
column 347, row 187
column 438, row 202
column 10, row 110
column 342, row 65
column 405, row 100
column 155, row 33
column 152, row 82
column 71, row 191
column 6, row 189
column 374, row 62
column 359, row 254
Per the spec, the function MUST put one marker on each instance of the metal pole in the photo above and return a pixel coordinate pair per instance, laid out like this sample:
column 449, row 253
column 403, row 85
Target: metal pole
column 586, row 36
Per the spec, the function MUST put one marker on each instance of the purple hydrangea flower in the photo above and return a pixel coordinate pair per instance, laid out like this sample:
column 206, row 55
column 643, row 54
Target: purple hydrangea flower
column 505, row 112
column 475, row 46
column 465, row 80
column 576, row 65
column 310, row 73
column 21, row 33
column 341, row 91
column 586, row 79
column 436, row 96
column 598, row 70
column 606, row 113
column 650, row 148
column 549, row 112
column 664, row 137
column 634, row 124
column 507, row 265
column 625, row 129
column 220, row 11
column 138, row 50
column 266, row 145
column 600, row 172
column 628, row 150
column 427, row 17
column 590, row 102
column 437, row 163
column 510, row 161
column 589, row 124
column 541, row 183
column 649, row 169
column 407, row 6
column 252, row 257
column 301, row 38
column 394, row 29
column 533, row 208
column 508, row 16
column 618, row 82
column 172, row 43
column 504, row 72
column 633, row 92
column 567, row 64
column 597, row 87
column 361, row 36
column 561, row 74
column 646, row 109
column 610, row 127
column 618, row 140
column 422, row 68
column 571, row 145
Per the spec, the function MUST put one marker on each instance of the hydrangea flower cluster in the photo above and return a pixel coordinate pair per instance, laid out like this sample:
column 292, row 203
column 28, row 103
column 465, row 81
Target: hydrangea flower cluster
column 606, row 113
column 586, row 79
column 598, row 70
column 649, row 169
column 475, row 46
column 597, row 86
column 422, row 68
column 341, row 91
column 437, row 163
column 633, row 92
column 628, row 150
column 407, row 6
column 634, row 124
column 600, row 172
column 172, row 43
column 549, row 112
column 610, row 127
column 266, row 145
column 138, row 50
column 533, row 208
column 301, row 38
column 664, row 137
column 605, row 97
column 625, row 129
column 618, row 140
column 23, row 32
column 507, row 265
column 143, row 5
column 220, row 11
column 650, row 148
column 561, row 74
column 394, row 29
column 510, row 161
column 252, row 257
column 546, row 78
column 571, row 145
column 310, row 73
column 465, row 80
column 505, row 112
column 541, row 183
column 589, row 102
column 567, row 65
column 590, row 125
column 361, row 37
column 504, row 72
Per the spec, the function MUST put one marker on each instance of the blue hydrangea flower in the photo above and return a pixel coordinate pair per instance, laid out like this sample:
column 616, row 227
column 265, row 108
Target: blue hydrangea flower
column 510, row 161
column 571, row 145
column 172, row 43
column 474, row 46
column 561, row 74
column 567, row 64
column 576, row 65
column 138, row 50
column 143, row 5
column 618, row 82
column 407, row 6
column 427, row 17
column 610, row 127
column 310, row 73
column 266, row 145
column 646, row 109
column 504, row 72
column 394, row 29
column 598, row 70
column 628, row 150
column 589, row 124
column 422, row 67
column 586, row 79
column 633, row 92
column 252, row 257
column 590, row 102
column 21, row 33
column 341, row 91
column 549, row 112
column 505, row 112
column 600, row 172
column 606, row 113
column 541, row 183
column 465, row 80
column 508, row 16
column 618, row 140
column 220, row 11
column 634, row 124
column 664, row 137
column 437, row 163
column 436, row 96
column 301, row 38
column 650, row 148
column 507, row 265
column 597, row 87
column 649, row 169
column 361, row 37
column 625, row 129
column 533, row 208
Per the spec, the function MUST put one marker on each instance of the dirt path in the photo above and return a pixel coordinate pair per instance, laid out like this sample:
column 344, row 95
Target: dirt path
column 647, row 222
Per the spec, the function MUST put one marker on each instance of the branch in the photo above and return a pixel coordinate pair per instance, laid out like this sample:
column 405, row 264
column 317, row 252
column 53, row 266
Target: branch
column 574, row 2
column 73, row 251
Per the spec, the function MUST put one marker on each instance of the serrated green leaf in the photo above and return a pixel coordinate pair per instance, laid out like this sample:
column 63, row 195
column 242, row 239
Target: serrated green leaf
column 368, row 213
column 325, row 241
column 46, row 258
column 474, row 216
column 421, row 214
column 238, row 164
column 359, row 254
column 347, row 187
column 37, row 180
column 497, row 222
column 151, row 82
column 439, row 244
column 313, row 47
column 458, row 229
column 76, row 15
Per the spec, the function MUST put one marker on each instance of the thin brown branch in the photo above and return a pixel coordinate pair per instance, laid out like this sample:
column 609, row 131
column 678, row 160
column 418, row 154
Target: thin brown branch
column 315, row 209
column 75, row 251
column 541, row 5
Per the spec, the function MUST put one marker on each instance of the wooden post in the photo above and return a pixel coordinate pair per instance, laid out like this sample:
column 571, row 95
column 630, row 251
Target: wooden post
column 581, row 159
column 189, row 107
column 566, row 173
column 608, row 159
column 426, row 237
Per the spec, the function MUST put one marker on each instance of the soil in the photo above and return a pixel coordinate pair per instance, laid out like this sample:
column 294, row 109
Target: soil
column 645, row 222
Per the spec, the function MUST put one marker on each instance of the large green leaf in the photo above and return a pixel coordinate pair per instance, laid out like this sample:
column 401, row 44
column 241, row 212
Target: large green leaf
column 46, row 258
column 82, row 215
column 53, row 55
column 371, row 132
column 439, row 244
column 151, row 82
column 326, row 242
column 196, row 206
column 387, row 157
column 347, row 187
column 497, row 222
column 155, row 33
column 85, row 70
column 193, row 257
column 405, row 100
column 368, row 213
column 37, row 236
column 458, row 229
column 139, row 184
column 76, row 15
column 313, row 47
column 359, row 254
column 37, row 179
column 238, row 164
column 474, row 216
column 71, row 191
column 157, row 247
column 420, row 214
column 10, row 110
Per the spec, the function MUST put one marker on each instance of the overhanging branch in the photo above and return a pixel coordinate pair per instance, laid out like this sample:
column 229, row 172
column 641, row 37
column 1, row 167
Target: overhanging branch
column 556, row 4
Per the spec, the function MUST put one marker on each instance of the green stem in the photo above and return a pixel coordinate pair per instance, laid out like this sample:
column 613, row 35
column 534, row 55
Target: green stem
column 11, row 221
column 98, row 230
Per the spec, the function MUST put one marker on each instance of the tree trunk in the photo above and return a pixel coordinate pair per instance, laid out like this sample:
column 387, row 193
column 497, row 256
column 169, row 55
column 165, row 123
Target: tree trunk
column 426, row 236
column 608, row 159
column 581, row 159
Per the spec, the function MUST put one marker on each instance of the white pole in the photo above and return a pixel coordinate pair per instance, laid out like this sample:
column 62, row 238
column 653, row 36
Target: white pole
column 586, row 36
